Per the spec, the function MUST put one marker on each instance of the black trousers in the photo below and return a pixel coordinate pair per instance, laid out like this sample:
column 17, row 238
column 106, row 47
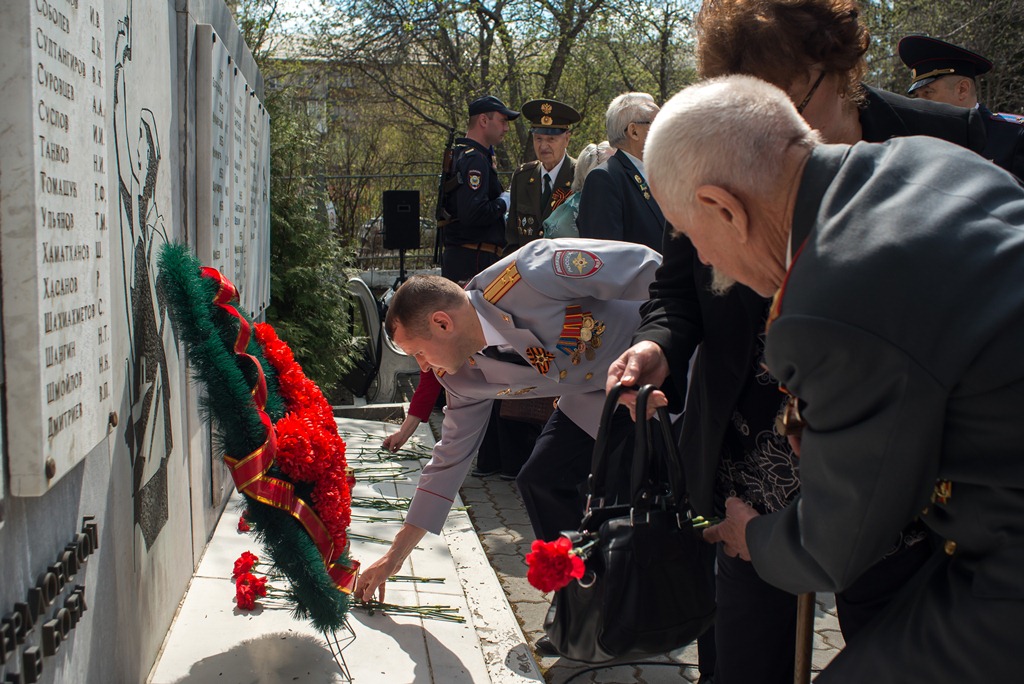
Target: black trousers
column 553, row 482
column 755, row 626
column 507, row 444
column 461, row 264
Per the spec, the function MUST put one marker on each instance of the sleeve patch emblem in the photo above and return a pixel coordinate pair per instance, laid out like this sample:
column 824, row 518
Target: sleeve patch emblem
column 474, row 180
column 576, row 263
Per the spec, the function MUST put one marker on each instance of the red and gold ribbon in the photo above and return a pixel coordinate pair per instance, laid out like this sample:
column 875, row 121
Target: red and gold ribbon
column 250, row 472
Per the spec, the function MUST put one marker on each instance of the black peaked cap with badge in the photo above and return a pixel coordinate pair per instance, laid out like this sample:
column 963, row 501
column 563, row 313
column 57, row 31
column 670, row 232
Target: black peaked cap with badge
column 550, row 117
column 929, row 58
column 489, row 103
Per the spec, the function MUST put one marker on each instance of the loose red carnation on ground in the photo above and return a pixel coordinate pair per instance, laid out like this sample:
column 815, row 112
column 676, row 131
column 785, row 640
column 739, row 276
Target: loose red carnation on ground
column 243, row 524
column 553, row 564
column 244, row 564
column 245, row 597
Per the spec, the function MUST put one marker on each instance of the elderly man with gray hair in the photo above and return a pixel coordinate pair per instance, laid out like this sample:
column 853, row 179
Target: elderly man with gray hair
column 617, row 203
column 896, row 330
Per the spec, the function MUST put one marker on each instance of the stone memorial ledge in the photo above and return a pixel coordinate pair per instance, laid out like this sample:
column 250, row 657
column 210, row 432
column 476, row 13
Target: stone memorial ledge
column 211, row 640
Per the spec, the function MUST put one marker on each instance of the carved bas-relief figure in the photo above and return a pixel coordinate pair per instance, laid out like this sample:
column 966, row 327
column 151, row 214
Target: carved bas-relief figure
column 147, row 429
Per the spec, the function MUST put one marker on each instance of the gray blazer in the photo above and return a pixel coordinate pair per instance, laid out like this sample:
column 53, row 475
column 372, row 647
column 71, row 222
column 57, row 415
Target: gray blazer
column 901, row 329
column 540, row 298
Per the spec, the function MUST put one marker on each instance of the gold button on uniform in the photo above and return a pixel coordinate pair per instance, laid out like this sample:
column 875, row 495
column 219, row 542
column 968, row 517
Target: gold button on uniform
column 562, row 374
column 589, row 375
column 949, row 547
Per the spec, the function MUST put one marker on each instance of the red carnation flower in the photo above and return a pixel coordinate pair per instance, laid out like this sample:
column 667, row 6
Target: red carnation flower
column 245, row 597
column 243, row 524
column 553, row 564
column 244, row 564
column 258, row 585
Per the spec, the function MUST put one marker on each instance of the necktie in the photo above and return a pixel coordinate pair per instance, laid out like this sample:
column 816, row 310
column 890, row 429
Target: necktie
column 510, row 356
column 546, row 197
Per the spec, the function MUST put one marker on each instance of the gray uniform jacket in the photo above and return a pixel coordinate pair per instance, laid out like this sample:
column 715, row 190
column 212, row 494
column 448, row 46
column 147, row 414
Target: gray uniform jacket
column 569, row 308
column 901, row 328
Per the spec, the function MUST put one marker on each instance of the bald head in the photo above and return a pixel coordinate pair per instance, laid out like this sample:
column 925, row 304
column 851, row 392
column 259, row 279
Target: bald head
column 724, row 160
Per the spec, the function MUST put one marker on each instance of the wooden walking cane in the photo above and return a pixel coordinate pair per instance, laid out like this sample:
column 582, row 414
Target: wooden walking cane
column 804, row 638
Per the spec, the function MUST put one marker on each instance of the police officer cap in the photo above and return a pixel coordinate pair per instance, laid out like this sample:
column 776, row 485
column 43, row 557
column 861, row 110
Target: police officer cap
column 550, row 117
column 489, row 103
column 930, row 58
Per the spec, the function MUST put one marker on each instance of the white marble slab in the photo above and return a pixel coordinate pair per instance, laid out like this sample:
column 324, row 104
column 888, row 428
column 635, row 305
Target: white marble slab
column 56, row 284
column 214, row 145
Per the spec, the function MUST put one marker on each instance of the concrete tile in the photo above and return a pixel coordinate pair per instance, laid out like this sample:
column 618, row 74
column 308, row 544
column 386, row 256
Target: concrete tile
column 512, row 566
column 826, row 603
column 502, row 543
column 830, row 638
column 560, row 671
column 656, row 673
column 825, row 621
column 531, row 616
column 821, row 658
column 519, row 591
column 685, row 655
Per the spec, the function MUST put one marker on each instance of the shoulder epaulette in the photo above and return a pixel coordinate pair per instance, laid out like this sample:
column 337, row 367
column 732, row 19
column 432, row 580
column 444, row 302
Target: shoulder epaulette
column 500, row 286
column 528, row 165
column 1009, row 118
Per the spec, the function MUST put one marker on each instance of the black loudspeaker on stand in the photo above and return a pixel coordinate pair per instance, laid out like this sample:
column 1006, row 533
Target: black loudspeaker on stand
column 401, row 217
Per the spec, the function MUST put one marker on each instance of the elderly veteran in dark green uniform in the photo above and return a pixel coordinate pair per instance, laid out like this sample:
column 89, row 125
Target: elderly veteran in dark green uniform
column 943, row 72
column 539, row 186
column 898, row 324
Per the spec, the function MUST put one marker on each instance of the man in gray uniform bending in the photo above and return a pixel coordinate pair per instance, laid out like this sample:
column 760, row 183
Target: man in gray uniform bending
column 545, row 321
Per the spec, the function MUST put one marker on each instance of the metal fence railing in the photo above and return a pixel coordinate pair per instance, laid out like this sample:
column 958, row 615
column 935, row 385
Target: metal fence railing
column 357, row 207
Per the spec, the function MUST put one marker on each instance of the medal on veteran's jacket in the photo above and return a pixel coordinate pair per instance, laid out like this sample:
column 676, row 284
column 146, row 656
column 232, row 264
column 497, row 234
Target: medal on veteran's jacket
column 581, row 335
column 540, row 358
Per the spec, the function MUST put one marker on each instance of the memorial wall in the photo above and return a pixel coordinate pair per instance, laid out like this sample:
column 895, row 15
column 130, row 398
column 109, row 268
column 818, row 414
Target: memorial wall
column 127, row 124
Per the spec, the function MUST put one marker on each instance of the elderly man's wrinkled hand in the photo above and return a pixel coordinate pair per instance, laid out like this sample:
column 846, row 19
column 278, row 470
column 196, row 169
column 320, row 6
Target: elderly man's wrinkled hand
column 642, row 364
column 732, row 532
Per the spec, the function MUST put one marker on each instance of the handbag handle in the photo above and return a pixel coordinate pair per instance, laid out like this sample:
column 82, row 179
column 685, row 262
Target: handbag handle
column 640, row 479
column 641, row 485
column 598, row 463
column 644, row 487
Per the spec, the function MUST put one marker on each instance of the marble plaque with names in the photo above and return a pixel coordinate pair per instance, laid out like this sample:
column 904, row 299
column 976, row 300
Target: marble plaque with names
column 214, row 148
column 55, row 235
column 240, row 176
column 254, row 240
column 264, row 270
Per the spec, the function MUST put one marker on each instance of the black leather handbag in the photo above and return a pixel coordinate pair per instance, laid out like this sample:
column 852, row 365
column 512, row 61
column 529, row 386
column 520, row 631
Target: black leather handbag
column 647, row 587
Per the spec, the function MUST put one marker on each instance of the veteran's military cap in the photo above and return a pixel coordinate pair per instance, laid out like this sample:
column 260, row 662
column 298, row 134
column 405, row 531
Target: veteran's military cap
column 930, row 58
column 550, row 117
column 489, row 103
